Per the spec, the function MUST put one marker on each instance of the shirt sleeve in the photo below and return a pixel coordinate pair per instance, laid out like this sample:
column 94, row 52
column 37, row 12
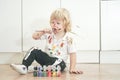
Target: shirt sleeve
column 71, row 45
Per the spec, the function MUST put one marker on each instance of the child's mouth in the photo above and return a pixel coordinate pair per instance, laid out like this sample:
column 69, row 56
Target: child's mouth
column 55, row 30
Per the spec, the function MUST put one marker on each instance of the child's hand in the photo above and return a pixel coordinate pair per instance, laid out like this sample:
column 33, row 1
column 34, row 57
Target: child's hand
column 74, row 71
column 36, row 35
column 39, row 33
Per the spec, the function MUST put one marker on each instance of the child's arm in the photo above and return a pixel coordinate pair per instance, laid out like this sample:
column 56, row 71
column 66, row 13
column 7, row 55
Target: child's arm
column 36, row 35
column 73, row 64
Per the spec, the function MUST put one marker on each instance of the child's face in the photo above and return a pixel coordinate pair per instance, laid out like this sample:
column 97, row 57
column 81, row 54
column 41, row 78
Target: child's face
column 57, row 26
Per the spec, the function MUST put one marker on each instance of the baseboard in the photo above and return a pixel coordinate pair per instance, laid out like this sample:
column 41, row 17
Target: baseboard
column 112, row 57
column 87, row 57
column 82, row 57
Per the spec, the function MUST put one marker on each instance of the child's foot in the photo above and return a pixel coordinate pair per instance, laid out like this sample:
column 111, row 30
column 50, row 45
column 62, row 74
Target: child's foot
column 19, row 68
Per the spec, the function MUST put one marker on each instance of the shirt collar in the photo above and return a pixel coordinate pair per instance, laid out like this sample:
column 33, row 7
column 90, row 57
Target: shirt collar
column 64, row 38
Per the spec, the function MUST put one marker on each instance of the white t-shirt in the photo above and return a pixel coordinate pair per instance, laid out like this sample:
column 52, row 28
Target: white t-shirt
column 59, row 48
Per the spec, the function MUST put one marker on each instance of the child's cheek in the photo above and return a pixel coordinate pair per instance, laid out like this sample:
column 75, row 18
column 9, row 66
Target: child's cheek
column 59, row 27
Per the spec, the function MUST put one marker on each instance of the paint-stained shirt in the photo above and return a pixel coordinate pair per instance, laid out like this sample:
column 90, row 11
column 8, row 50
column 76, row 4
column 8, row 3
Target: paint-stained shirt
column 59, row 48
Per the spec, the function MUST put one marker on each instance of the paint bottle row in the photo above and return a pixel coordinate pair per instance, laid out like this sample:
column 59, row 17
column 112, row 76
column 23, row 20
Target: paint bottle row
column 47, row 71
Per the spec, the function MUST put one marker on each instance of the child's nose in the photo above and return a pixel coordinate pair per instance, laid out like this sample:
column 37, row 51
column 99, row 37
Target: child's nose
column 55, row 25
